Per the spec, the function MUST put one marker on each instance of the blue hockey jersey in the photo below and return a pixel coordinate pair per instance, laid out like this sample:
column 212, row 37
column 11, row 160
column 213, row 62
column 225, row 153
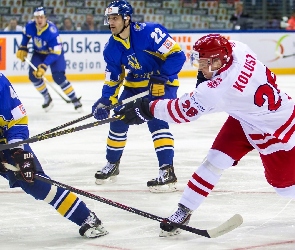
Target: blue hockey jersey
column 13, row 117
column 148, row 50
column 46, row 41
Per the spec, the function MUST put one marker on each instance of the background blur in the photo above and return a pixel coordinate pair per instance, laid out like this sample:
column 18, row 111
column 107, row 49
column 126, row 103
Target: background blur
column 173, row 14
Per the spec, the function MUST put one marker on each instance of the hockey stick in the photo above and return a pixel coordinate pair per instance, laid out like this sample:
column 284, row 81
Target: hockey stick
column 49, row 83
column 222, row 229
column 58, row 133
column 130, row 99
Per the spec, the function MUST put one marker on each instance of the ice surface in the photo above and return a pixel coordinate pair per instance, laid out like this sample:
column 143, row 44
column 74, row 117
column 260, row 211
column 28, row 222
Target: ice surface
column 73, row 159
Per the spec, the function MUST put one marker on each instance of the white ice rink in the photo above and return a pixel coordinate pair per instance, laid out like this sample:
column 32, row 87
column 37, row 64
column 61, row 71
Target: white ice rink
column 73, row 159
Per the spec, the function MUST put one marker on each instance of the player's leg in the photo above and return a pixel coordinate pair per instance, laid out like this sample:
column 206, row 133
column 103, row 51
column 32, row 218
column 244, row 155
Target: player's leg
column 63, row 201
column 116, row 142
column 164, row 147
column 280, row 171
column 229, row 147
column 39, row 83
column 58, row 69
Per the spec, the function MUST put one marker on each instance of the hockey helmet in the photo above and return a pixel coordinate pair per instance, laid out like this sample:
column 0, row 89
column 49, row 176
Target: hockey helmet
column 119, row 7
column 209, row 48
column 40, row 11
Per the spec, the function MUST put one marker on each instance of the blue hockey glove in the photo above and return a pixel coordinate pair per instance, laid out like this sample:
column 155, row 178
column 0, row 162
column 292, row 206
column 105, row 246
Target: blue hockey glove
column 157, row 85
column 136, row 112
column 98, row 109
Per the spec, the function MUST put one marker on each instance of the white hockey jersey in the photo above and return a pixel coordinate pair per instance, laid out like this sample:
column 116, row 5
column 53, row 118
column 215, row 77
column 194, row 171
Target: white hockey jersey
column 246, row 90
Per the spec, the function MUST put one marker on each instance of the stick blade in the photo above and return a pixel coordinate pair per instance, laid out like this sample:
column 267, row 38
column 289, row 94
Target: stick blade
column 226, row 227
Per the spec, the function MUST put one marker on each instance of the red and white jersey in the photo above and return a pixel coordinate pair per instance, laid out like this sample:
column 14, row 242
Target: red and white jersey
column 246, row 90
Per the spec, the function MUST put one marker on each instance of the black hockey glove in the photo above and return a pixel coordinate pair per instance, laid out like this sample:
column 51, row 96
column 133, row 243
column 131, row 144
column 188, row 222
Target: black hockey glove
column 24, row 160
column 136, row 112
column 157, row 85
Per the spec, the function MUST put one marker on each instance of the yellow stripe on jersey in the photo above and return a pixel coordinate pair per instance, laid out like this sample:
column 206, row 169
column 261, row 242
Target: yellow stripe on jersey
column 116, row 144
column 55, row 52
column 140, row 84
column 22, row 121
column 174, row 83
column 163, row 142
column 67, row 203
column 42, row 30
column 143, row 84
column 176, row 48
column 125, row 43
column 156, row 54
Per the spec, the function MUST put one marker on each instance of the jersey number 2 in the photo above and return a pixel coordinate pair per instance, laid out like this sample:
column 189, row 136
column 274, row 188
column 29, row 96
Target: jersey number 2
column 158, row 35
column 270, row 91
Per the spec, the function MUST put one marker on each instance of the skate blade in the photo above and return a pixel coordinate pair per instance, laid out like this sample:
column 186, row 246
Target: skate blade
column 111, row 179
column 96, row 232
column 49, row 107
column 169, row 234
column 79, row 110
column 168, row 188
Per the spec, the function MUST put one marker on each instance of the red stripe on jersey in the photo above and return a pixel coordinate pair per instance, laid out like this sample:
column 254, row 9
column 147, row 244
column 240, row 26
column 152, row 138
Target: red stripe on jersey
column 202, row 181
column 179, row 111
column 197, row 190
column 169, row 107
column 258, row 136
column 285, row 125
column 152, row 108
column 289, row 134
column 268, row 143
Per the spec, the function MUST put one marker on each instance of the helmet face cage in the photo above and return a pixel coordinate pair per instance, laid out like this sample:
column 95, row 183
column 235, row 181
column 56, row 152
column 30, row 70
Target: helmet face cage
column 120, row 7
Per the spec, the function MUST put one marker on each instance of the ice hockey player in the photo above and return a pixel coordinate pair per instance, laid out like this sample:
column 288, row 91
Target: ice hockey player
column 151, row 57
column 261, row 117
column 14, row 128
column 47, row 51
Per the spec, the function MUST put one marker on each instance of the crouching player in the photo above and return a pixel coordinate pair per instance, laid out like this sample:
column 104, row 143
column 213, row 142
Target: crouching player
column 14, row 128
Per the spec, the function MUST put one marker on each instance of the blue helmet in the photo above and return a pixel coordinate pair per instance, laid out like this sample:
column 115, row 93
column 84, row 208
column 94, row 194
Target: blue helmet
column 119, row 7
column 40, row 11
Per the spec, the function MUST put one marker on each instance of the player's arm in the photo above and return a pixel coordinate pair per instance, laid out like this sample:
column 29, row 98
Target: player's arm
column 22, row 51
column 15, row 120
column 161, row 43
column 15, row 128
column 179, row 110
column 170, row 51
column 55, row 49
column 114, row 76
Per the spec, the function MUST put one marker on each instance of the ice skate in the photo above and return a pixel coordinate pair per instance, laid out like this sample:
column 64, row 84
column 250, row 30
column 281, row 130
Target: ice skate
column 165, row 183
column 181, row 216
column 48, row 104
column 109, row 172
column 77, row 104
column 92, row 227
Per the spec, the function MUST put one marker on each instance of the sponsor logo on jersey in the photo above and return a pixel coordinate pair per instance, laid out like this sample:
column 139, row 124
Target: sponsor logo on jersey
column 197, row 104
column 139, row 26
column 133, row 62
column 53, row 29
column 168, row 43
column 38, row 42
column 214, row 83
column 22, row 109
